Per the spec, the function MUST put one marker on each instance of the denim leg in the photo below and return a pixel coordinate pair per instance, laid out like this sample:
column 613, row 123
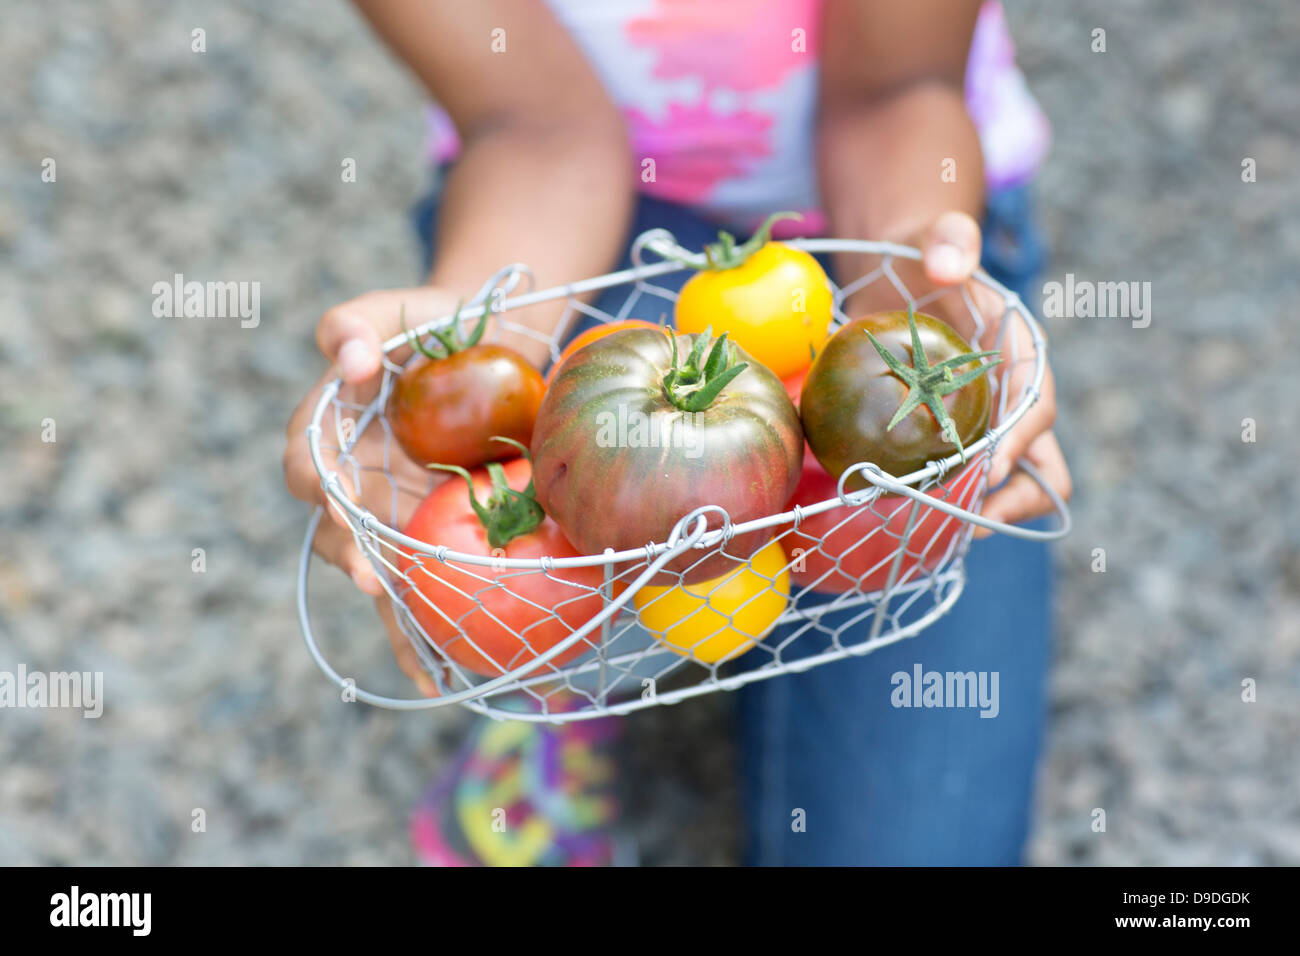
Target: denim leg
column 880, row 784
column 886, row 785
column 1014, row 250
column 424, row 216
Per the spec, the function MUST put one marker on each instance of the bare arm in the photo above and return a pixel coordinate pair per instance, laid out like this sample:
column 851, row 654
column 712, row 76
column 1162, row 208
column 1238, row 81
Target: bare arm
column 544, row 173
column 544, row 178
column 892, row 120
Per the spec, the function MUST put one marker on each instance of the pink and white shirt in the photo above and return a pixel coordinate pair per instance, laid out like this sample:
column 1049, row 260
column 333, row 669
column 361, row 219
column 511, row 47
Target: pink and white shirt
column 720, row 98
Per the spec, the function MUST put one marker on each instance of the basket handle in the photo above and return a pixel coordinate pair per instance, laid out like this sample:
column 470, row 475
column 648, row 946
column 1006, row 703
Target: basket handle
column 663, row 244
column 309, row 637
column 875, row 476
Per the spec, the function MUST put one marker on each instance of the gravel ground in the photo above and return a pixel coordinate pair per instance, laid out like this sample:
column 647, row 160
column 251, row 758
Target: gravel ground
column 225, row 164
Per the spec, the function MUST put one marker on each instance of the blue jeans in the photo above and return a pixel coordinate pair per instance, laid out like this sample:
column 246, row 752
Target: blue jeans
column 833, row 772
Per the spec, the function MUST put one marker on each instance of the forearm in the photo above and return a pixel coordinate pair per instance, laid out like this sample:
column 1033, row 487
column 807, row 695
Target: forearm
column 544, row 176
column 558, row 200
column 890, row 165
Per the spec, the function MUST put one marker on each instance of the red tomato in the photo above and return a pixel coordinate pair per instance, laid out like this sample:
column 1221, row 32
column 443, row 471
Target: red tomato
column 794, row 386
column 482, row 611
column 844, row 549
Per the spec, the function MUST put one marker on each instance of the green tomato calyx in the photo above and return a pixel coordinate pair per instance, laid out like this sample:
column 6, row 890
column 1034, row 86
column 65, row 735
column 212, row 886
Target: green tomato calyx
column 449, row 339
column 726, row 254
column 693, row 385
column 508, row 514
column 927, row 384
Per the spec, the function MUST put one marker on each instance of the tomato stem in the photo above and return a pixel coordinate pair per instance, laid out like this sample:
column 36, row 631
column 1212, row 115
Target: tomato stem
column 927, row 384
column 449, row 339
column 726, row 254
column 692, row 386
column 508, row 514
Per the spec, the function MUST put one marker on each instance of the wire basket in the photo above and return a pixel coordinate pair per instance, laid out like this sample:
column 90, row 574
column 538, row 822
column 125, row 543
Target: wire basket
column 855, row 572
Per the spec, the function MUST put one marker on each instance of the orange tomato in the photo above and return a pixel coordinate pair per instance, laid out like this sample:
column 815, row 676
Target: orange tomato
column 592, row 335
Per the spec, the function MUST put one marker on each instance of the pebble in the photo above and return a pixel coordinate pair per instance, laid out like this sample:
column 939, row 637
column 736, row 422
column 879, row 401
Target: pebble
column 225, row 166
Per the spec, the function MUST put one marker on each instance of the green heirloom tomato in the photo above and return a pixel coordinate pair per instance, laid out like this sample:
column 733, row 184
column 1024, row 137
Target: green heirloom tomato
column 895, row 393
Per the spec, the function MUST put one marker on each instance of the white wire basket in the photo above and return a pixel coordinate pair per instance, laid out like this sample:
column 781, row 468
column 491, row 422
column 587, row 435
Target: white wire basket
column 856, row 571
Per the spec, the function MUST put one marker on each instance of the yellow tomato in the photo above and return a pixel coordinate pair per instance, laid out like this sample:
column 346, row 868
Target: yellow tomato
column 721, row 618
column 776, row 305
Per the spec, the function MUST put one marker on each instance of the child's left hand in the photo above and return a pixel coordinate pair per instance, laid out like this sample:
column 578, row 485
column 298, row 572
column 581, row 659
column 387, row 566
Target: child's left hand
column 951, row 253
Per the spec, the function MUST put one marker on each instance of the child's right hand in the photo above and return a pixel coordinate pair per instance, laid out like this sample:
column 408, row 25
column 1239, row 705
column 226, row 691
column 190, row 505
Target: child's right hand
column 350, row 337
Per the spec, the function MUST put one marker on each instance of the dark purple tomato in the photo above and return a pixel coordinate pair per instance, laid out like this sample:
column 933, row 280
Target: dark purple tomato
column 852, row 396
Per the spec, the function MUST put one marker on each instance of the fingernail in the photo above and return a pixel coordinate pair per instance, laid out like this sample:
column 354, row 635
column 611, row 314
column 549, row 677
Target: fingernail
column 945, row 261
column 997, row 474
column 354, row 360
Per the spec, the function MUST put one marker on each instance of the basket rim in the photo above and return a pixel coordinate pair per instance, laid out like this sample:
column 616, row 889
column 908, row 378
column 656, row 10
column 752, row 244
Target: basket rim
column 661, row 242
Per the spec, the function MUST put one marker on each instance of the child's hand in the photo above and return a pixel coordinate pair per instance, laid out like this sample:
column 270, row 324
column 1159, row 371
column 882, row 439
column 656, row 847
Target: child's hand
column 951, row 250
column 350, row 336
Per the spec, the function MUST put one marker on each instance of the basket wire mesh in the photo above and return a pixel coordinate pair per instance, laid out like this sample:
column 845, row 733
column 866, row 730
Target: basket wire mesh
column 855, row 572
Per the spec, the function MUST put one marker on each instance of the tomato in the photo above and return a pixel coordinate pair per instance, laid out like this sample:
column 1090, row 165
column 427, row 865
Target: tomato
column 847, row 549
column 773, row 300
column 491, row 607
column 894, row 391
column 448, row 406
column 594, row 334
column 722, row 618
column 630, row 438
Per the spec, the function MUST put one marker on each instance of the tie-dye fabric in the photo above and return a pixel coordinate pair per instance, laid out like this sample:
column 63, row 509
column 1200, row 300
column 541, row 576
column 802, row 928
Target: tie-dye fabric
column 720, row 98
